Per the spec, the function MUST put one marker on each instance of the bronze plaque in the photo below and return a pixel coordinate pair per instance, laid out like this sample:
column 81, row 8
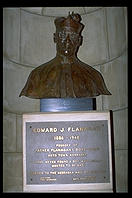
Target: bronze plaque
column 67, row 152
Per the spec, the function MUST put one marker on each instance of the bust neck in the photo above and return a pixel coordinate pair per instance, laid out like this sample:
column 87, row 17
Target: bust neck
column 66, row 59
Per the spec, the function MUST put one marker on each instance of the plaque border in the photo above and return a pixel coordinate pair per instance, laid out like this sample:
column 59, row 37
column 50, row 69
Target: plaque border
column 68, row 116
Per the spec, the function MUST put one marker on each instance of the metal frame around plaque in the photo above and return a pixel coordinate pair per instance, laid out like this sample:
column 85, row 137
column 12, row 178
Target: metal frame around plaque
column 67, row 152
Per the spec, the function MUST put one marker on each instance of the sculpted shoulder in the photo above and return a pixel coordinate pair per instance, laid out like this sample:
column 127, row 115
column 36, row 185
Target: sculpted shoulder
column 42, row 71
column 86, row 66
column 36, row 79
column 44, row 66
column 87, row 80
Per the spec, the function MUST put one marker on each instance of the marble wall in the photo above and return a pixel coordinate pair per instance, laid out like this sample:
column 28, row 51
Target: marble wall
column 28, row 42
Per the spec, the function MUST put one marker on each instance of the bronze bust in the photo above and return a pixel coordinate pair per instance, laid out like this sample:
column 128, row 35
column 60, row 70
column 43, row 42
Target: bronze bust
column 65, row 76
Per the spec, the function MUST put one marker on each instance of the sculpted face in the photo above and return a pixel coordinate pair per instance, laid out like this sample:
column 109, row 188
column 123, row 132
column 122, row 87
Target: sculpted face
column 67, row 41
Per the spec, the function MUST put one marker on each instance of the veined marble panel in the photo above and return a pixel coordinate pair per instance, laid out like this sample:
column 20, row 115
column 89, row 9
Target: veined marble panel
column 14, row 79
column 115, row 75
column 91, row 9
column 9, row 132
column 121, row 162
column 11, row 33
column 120, row 119
column 12, row 172
column 37, row 44
column 34, row 10
column 116, row 30
column 62, row 11
column 19, row 133
column 94, row 49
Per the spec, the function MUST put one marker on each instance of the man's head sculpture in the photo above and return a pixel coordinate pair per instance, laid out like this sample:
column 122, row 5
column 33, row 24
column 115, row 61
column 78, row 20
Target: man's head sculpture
column 68, row 34
column 65, row 76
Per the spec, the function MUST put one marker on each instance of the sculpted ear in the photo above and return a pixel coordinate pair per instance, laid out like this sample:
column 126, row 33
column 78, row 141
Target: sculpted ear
column 55, row 38
column 80, row 40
